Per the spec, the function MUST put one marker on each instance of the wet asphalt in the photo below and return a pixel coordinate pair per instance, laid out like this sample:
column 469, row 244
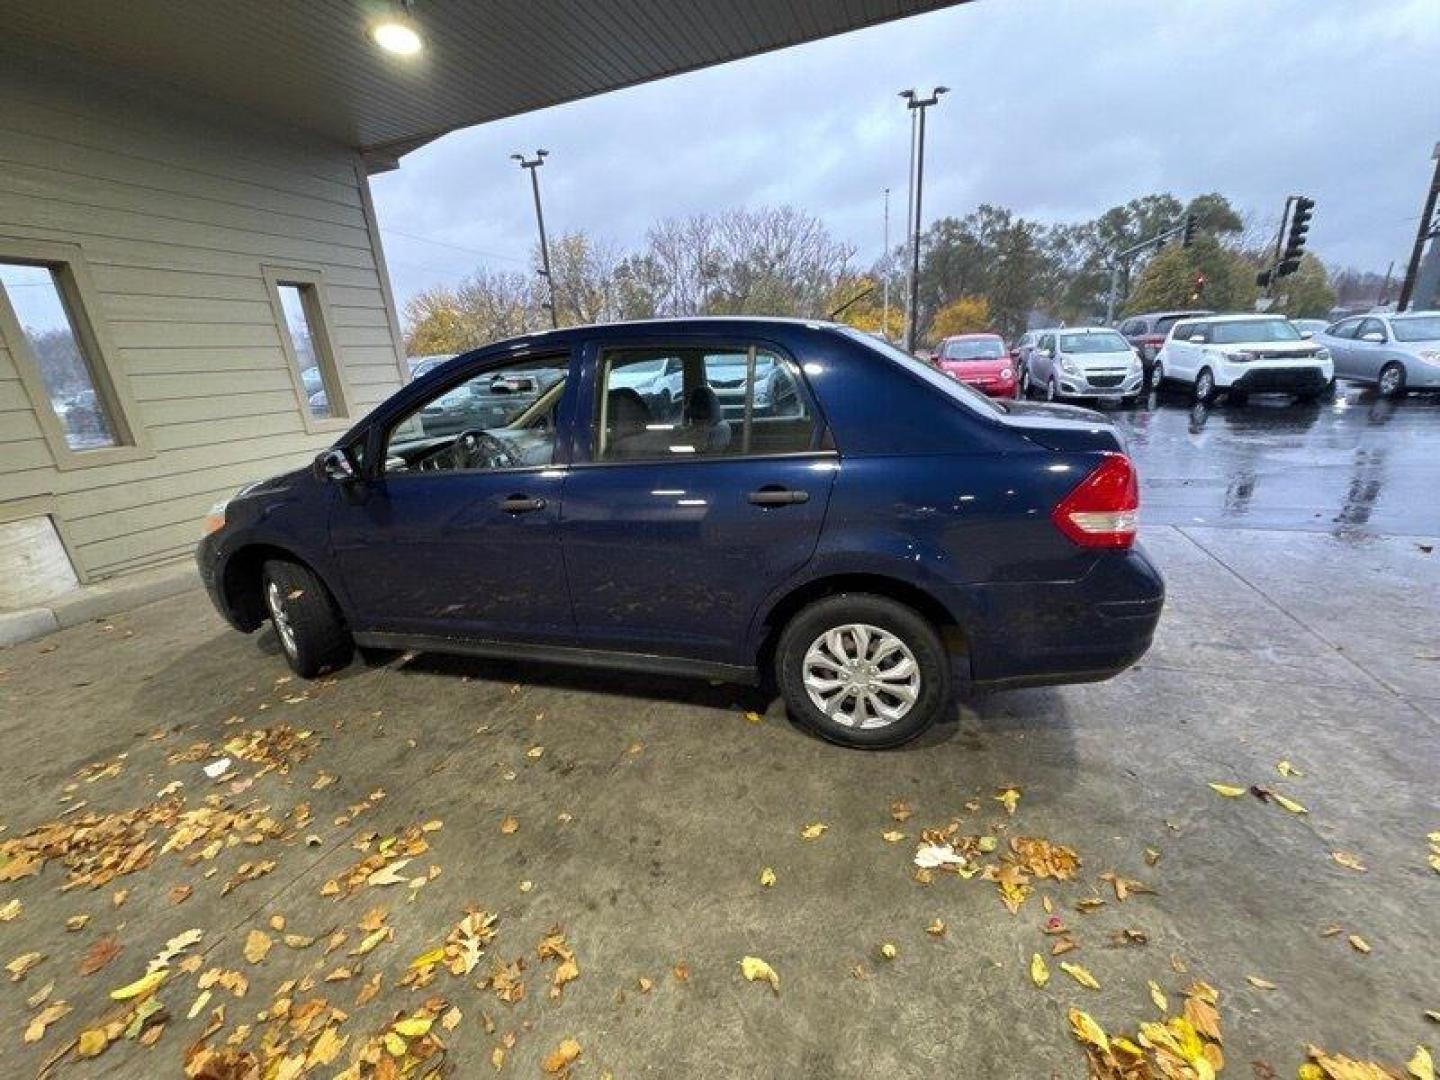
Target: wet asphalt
column 1359, row 463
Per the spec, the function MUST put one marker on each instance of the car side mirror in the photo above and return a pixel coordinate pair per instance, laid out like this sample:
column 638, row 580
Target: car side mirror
column 334, row 465
column 1307, row 333
column 1375, row 336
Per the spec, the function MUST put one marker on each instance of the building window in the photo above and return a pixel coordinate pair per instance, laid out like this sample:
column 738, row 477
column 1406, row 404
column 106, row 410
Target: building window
column 61, row 355
column 300, row 308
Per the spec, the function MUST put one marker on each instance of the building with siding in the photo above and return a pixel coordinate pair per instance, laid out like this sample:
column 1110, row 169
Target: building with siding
column 193, row 292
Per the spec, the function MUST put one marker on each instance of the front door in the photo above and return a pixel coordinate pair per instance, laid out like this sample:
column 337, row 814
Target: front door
column 679, row 526
column 456, row 532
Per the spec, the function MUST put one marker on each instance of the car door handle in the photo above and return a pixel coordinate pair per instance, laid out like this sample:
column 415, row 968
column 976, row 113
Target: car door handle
column 774, row 496
column 519, row 504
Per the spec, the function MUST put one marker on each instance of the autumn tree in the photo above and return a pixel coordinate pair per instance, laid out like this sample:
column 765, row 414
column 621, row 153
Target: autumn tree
column 486, row 307
column 1169, row 280
column 1306, row 294
column 963, row 315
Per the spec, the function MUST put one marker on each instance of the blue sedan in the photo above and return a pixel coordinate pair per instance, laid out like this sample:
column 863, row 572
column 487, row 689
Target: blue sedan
column 874, row 538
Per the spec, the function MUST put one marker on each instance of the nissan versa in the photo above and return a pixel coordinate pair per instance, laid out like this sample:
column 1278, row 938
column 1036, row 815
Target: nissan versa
column 876, row 536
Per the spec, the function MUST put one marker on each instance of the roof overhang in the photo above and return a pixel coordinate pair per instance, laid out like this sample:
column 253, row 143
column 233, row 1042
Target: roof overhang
column 312, row 64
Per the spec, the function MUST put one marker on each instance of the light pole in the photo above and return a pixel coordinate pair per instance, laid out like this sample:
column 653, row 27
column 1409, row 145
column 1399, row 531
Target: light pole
column 918, row 105
column 533, row 164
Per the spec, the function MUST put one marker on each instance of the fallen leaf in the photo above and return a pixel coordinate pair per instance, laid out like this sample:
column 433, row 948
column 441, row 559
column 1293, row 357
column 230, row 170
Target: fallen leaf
column 813, row 832
column 1230, row 791
column 1347, row 860
column 1358, row 943
column 1039, row 971
column 92, row 1042
column 900, row 810
column 1259, row 983
column 936, row 928
column 1289, row 804
column 1009, row 798
column 509, row 825
column 894, row 836
column 22, row 964
column 1284, row 768
column 1421, row 1064
column 767, row 877
column 889, row 951
column 1158, row 996
column 1079, row 974
column 412, row 1027
column 257, row 946
column 562, row 1057
column 35, row 1030
column 752, row 717
column 535, row 753
column 1088, row 1031
column 645, row 985
column 368, row 990
column 179, row 894
column 753, row 968
column 10, row 911
column 141, row 987
column 99, row 954
column 35, row 1000
column 76, row 922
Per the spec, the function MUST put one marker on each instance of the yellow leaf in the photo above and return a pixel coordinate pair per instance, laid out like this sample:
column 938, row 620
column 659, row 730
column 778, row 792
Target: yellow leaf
column 371, row 940
column 1350, row 862
column 1289, row 804
column 1435, row 863
column 1259, row 983
column 1358, row 943
column 92, row 1042
column 509, row 825
column 146, row 984
column 753, row 968
column 936, row 928
column 535, row 752
column 889, row 951
column 1079, row 974
column 497, row 1058
column 1284, row 768
column 1310, row 1071
column 753, row 718
column 412, row 1027
column 395, row 1044
column 1421, row 1064
column 257, row 946
column 1088, row 1031
column 1230, row 791
column 1039, row 972
column 767, row 877
column 1009, row 798
column 813, row 832
column 1158, row 996
column 894, row 836
column 562, row 1057
column 425, row 959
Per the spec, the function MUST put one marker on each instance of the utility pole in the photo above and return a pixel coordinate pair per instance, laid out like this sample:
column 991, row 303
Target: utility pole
column 533, row 164
column 1185, row 230
column 917, row 105
column 1429, row 227
column 885, row 273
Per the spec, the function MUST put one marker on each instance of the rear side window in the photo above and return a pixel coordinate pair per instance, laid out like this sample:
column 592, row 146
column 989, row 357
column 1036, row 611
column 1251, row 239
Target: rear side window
column 1162, row 326
column 667, row 403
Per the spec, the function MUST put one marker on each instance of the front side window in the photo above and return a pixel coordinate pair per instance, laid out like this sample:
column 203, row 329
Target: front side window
column 502, row 418
column 1371, row 326
column 1345, row 329
column 78, row 393
column 670, row 403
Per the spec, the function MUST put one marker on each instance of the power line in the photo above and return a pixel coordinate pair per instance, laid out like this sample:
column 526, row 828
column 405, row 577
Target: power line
column 455, row 247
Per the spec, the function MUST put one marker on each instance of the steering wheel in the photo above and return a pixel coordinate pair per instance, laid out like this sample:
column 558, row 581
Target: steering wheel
column 476, row 449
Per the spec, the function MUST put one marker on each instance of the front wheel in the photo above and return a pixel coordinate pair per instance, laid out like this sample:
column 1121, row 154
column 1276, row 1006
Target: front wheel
column 312, row 634
column 1205, row 387
column 1157, row 374
column 1024, row 383
column 862, row 670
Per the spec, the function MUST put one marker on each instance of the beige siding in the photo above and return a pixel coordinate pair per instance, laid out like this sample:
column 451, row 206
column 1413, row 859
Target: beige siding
column 176, row 213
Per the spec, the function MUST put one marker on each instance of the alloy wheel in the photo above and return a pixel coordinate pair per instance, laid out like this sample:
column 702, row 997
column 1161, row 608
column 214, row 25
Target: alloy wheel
column 283, row 628
column 861, row 676
column 1204, row 385
column 1391, row 379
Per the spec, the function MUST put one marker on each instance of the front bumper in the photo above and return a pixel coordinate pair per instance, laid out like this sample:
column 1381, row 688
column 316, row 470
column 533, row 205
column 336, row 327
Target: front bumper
column 1310, row 379
column 1094, row 385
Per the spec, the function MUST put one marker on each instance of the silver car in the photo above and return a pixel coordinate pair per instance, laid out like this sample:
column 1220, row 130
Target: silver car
column 1395, row 353
column 1084, row 362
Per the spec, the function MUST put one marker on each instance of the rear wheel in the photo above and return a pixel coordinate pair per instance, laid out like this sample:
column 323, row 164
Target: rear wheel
column 1157, row 374
column 1392, row 379
column 312, row 634
column 1204, row 387
column 862, row 670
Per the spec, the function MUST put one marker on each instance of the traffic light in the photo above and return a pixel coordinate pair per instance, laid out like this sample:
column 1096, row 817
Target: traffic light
column 1197, row 287
column 1295, row 242
column 1188, row 237
column 1262, row 279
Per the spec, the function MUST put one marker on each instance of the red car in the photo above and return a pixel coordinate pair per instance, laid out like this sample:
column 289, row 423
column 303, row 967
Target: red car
column 981, row 361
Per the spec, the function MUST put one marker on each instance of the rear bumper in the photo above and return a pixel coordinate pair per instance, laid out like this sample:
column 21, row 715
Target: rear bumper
column 1044, row 633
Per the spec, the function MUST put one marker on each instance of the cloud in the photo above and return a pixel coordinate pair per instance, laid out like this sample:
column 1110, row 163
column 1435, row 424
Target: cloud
column 1058, row 109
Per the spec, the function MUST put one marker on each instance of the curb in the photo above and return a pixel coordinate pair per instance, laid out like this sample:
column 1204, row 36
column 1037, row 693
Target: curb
column 108, row 597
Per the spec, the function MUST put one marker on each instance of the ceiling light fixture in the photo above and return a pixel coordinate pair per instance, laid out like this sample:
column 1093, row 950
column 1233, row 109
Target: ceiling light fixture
column 396, row 37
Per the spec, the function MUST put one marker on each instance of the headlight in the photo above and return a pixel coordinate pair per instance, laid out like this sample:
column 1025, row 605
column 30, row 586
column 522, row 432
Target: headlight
column 1240, row 357
column 1007, row 374
column 1135, row 363
column 1323, row 355
column 1069, row 366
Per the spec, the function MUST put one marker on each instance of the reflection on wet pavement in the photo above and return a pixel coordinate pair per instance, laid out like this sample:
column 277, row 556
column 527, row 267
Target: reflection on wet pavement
column 1358, row 463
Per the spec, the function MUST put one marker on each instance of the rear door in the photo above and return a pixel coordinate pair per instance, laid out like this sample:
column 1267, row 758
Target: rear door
column 1368, row 357
column 676, row 528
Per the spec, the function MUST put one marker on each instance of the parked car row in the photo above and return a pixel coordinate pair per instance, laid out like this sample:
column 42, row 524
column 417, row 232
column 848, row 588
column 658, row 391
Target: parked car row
column 1211, row 354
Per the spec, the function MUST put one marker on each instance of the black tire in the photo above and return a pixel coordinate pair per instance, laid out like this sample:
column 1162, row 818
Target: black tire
column 318, row 641
column 913, row 630
column 1204, row 377
column 1052, row 393
column 1391, row 381
column 1024, row 383
column 1157, row 374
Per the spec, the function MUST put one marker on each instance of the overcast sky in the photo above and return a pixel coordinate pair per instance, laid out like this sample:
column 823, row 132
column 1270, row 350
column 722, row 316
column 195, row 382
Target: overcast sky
column 1058, row 110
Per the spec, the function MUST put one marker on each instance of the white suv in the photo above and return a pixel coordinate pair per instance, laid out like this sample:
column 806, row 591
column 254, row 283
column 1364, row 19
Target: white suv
column 1244, row 354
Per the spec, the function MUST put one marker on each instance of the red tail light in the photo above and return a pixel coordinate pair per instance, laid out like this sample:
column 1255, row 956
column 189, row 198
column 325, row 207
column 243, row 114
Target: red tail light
column 1103, row 510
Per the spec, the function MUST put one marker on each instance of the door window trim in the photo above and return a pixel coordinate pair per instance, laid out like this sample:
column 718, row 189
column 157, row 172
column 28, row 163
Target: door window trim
column 583, row 428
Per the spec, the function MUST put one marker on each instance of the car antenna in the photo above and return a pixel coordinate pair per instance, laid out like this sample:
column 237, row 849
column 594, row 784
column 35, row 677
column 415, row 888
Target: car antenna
column 854, row 299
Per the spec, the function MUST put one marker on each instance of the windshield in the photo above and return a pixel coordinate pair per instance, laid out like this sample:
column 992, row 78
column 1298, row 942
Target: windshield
column 975, row 350
column 1417, row 328
column 956, row 391
column 1093, row 343
column 1250, row 330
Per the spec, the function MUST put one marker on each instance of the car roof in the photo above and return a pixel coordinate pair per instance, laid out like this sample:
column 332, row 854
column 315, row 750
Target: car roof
column 1173, row 314
column 1243, row 316
column 973, row 337
column 1082, row 330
